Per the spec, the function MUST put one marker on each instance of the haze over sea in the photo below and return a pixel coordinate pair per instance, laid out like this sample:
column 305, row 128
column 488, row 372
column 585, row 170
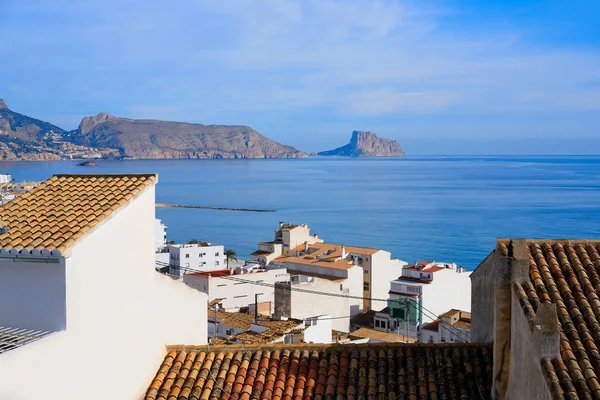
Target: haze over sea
column 443, row 208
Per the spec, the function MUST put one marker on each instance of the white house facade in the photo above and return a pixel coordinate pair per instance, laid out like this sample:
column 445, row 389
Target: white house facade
column 237, row 288
column 199, row 257
column 74, row 268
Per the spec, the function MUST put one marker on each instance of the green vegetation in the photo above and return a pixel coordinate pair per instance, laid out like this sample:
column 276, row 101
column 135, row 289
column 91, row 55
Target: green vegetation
column 230, row 255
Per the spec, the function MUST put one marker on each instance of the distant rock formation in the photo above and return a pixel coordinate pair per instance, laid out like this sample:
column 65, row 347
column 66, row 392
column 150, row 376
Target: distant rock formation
column 145, row 138
column 367, row 144
column 87, row 164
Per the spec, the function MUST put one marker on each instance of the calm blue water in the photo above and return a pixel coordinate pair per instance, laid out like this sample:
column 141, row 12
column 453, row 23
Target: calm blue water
column 443, row 208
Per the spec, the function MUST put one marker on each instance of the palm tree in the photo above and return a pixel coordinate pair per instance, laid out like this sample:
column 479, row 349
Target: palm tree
column 230, row 255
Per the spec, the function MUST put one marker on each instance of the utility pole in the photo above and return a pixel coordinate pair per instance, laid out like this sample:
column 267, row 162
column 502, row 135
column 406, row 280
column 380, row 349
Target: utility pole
column 216, row 323
column 256, row 307
column 407, row 320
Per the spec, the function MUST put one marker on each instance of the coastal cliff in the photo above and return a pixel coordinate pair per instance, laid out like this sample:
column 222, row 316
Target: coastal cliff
column 367, row 144
column 108, row 136
column 144, row 138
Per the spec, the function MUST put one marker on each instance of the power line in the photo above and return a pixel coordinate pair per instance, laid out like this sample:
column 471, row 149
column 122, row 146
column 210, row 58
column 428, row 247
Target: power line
column 404, row 302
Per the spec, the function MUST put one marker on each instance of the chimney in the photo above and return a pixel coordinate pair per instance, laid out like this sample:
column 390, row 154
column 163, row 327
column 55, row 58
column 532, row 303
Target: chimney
column 281, row 223
column 305, row 247
column 343, row 251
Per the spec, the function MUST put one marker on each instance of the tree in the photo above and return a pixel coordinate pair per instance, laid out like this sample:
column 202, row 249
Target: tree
column 230, row 255
column 171, row 242
column 193, row 241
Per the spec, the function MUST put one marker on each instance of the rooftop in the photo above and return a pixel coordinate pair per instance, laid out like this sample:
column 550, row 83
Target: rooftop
column 276, row 327
column 326, row 255
column 566, row 273
column 51, row 217
column 368, row 333
column 390, row 371
column 212, row 274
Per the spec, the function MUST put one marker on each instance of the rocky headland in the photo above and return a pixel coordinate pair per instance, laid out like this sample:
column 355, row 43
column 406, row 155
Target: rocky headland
column 367, row 144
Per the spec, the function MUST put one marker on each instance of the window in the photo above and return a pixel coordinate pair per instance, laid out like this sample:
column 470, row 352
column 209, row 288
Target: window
column 377, row 323
column 222, row 285
column 216, row 263
column 443, row 339
column 187, row 265
column 384, row 324
column 217, row 254
column 229, row 331
column 200, row 255
column 366, row 286
column 366, row 271
column 187, row 256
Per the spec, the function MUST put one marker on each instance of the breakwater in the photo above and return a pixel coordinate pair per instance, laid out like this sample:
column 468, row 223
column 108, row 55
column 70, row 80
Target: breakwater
column 165, row 205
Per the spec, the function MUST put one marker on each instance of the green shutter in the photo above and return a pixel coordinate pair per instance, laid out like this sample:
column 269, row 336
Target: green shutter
column 404, row 310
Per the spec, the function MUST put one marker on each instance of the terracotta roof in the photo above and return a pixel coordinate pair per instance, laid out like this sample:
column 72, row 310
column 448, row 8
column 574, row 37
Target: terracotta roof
column 453, row 312
column 363, row 319
column 433, row 269
column 433, row 325
column 566, row 273
column 232, row 319
column 213, row 302
column 261, row 253
column 212, row 274
column 368, row 333
column 277, row 330
column 325, row 255
column 386, row 371
column 50, row 218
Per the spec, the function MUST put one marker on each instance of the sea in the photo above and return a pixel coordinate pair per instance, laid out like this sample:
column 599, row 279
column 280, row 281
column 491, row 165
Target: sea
column 440, row 208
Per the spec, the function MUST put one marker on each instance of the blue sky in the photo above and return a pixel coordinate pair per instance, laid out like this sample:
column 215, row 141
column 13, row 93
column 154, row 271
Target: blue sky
column 441, row 77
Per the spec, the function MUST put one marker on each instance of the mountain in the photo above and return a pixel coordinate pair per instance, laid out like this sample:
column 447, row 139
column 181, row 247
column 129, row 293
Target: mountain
column 145, row 138
column 23, row 137
column 107, row 136
column 367, row 144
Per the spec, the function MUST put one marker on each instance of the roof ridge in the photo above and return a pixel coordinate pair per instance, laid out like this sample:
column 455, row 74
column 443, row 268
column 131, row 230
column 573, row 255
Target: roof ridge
column 53, row 216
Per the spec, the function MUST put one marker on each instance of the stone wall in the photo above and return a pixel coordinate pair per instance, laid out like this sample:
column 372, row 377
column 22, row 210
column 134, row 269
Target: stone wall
column 528, row 346
column 482, row 301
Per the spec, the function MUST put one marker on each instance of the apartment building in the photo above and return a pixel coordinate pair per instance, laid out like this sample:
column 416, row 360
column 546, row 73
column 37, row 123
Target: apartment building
column 295, row 249
column 239, row 287
column 201, row 257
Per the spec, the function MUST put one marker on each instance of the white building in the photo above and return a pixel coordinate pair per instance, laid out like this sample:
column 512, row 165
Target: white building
column 295, row 249
column 318, row 329
column 453, row 326
column 426, row 290
column 160, row 235
column 236, row 288
column 83, row 315
column 5, row 178
column 200, row 257
column 292, row 299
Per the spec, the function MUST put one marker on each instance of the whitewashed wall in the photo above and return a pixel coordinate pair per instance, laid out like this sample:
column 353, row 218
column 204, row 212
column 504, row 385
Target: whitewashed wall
column 120, row 315
column 32, row 295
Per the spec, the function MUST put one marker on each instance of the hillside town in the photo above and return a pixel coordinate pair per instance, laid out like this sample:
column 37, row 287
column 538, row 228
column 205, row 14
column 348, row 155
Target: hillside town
column 98, row 303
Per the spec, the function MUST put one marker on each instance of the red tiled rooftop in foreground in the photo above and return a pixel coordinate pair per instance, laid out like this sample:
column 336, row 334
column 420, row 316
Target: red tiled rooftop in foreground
column 304, row 372
column 567, row 274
